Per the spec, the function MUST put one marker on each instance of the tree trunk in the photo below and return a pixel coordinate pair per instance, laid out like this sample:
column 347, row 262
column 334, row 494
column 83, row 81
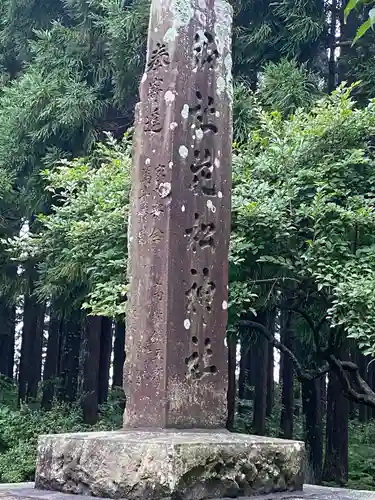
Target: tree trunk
column 271, row 367
column 119, row 355
column 247, row 369
column 372, row 383
column 348, row 29
column 52, row 359
column 260, row 383
column 323, row 394
column 70, row 350
column 336, row 455
column 332, row 74
column 297, row 401
column 232, row 363
column 35, row 371
column 245, row 384
column 91, row 362
column 312, row 408
column 362, row 365
column 105, row 359
column 33, row 316
column 244, row 343
column 7, row 338
column 287, row 378
column 353, row 407
column 25, row 355
column 270, row 380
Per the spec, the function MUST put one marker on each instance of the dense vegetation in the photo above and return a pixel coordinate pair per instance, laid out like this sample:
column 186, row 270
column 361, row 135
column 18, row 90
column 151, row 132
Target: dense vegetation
column 302, row 267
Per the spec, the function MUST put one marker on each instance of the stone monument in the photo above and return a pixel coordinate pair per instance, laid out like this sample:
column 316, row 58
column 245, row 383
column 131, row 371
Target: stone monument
column 174, row 444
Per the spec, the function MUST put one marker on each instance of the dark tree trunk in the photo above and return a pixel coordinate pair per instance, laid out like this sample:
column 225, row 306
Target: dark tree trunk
column 105, row 359
column 232, row 363
column 297, row 401
column 7, row 338
column 323, row 394
column 362, row 365
column 70, row 350
column 29, row 306
column 91, row 361
column 245, row 385
column 33, row 316
column 270, row 380
column 332, row 73
column 336, row 454
column 12, row 347
column 353, row 407
column 271, row 366
column 312, row 408
column 287, row 378
column 372, row 383
column 260, row 350
column 119, row 354
column 35, row 371
column 52, row 360
column 348, row 29
column 244, row 352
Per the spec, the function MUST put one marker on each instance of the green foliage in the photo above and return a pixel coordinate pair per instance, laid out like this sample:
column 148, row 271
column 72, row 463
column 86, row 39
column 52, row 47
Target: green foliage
column 20, row 429
column 82, row 242
column 302, row 210
column 68, row 72
column 244, row 112
column 303, row 214
column 8, row 393
column 361, row 456
column 19, row 433
column 285, row 86
column 362, row 30
column 74, row 85
column 267, row 31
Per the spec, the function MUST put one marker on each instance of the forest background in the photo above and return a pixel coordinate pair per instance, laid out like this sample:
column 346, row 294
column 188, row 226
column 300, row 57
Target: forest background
column 302, row 261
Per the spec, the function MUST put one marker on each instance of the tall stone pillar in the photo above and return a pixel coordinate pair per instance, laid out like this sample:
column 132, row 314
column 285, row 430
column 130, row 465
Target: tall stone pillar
column 174, row 445
column 176, row 366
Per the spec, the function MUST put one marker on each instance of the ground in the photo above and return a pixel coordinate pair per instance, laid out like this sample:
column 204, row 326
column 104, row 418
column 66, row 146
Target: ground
column 26, row 492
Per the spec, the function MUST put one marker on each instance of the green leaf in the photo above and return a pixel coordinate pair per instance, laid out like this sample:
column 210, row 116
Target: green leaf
column 362, row 30
column 352, row 4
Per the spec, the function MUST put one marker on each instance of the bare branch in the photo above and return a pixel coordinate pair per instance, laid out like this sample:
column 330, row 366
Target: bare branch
column 300, row 372
column 348, row 374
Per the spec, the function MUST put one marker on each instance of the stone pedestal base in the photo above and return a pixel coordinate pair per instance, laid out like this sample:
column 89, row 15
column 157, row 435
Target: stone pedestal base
column 175, row 465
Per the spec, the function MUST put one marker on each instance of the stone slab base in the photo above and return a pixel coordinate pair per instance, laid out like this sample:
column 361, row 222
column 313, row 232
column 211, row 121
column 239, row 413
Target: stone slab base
column 27, row 492
column 174, row 465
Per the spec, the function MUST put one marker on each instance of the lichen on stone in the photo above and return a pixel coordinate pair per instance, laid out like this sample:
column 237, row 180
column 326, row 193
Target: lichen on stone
column 170, row 35
column 183, row 151
column 169, row 97
column 185, row 112
column 228, row 63
column 182, row 11
column 220, row 85
column 223, row 25
column 201, row 16
column 222, row 28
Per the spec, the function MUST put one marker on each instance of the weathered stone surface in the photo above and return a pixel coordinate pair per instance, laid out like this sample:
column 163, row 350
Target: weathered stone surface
column 176, row 363
column 155, row 465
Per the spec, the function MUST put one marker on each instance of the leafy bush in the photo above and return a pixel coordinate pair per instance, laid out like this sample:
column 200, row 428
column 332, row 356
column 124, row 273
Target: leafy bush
column 20, row 429
column 303, row 216
column 361, row 456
